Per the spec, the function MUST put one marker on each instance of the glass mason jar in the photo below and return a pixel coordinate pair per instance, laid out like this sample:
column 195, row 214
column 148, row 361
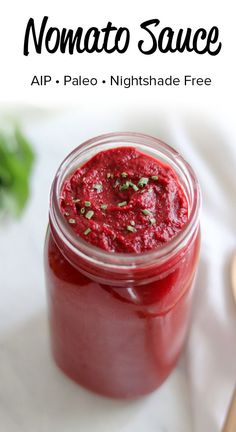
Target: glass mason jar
column 118, row 321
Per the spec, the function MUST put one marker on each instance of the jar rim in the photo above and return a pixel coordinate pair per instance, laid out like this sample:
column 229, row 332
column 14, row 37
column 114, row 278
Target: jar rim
column 123, row 261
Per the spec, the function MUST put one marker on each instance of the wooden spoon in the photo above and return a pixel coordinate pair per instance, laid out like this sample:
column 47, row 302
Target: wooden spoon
column 230, row 421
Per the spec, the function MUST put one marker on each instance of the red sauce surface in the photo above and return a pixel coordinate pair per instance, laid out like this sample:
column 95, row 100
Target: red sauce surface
column 122, row 200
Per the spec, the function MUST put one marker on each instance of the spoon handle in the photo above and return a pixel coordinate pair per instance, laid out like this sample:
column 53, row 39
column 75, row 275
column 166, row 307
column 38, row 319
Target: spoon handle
column 233, row 276
column 230, row 421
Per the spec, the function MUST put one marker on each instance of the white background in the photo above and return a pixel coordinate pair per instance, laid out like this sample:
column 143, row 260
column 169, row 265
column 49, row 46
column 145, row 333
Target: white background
column 17, row 70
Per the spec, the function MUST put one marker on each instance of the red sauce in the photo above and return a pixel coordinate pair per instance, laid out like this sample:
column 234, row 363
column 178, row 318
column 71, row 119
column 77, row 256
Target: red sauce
column 122, row 200
column 121, row 341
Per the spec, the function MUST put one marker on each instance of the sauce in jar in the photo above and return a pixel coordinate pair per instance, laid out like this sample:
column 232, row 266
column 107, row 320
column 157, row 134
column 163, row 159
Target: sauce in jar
column 120, row 258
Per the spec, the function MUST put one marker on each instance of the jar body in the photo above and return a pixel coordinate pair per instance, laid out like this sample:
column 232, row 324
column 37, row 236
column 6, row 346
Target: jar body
column 119, row 341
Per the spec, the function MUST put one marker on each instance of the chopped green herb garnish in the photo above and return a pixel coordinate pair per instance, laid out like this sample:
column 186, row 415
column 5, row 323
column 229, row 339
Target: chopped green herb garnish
column 146, row 212
column 89, row 214
column 82, row 210
column 104, row 206
column 124, row 174
column 155, row 177
column 87, row 231
column 98, row 187
column 87, row 203
column 130, row 228
column 135, row 188
column 122, row 204
column 132, row 223
column 72, row 221
column 125, row 186
column 143, row 181
column 152, row 221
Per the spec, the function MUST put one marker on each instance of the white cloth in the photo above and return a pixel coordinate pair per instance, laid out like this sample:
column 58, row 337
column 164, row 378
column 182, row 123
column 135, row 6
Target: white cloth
column 34, row 395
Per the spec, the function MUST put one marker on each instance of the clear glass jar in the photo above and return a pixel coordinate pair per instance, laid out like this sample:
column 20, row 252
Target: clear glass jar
column 118, row 321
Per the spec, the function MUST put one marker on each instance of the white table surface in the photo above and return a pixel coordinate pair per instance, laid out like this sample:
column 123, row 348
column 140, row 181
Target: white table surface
column 34, row 395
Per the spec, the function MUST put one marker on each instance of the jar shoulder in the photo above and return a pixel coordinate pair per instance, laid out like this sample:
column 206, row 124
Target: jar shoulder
column 57, row 265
